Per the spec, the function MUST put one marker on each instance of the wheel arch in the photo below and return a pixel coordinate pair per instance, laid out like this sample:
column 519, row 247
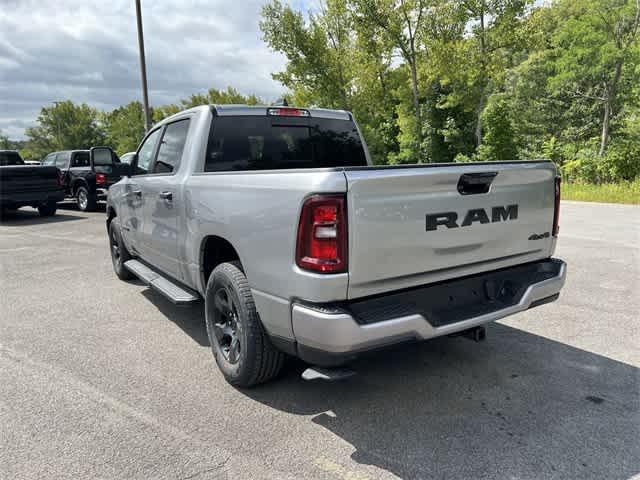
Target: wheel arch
column 111, row 214
column 215, row 250
column 77, row 183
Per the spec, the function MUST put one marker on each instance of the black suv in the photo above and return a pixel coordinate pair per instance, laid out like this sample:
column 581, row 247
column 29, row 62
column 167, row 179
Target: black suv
column 85, row 179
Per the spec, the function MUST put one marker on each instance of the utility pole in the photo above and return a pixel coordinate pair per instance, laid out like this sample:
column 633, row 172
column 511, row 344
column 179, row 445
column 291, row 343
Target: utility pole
column 143, row 69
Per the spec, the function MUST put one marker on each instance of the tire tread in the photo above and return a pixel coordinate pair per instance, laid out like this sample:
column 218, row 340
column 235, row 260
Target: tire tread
column 268, row 360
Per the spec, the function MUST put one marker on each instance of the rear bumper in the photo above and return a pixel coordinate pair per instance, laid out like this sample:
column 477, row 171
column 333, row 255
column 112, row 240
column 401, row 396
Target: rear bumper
column 101, row 193
column 332, row 334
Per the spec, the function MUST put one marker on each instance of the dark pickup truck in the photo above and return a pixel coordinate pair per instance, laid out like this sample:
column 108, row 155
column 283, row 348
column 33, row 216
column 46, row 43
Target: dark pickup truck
column 26, row 185
column 86, row 177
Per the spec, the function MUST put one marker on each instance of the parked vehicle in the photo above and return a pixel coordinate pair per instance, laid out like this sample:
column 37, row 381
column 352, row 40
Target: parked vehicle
column 299, row 245
column 87, row 178
column 27, row 185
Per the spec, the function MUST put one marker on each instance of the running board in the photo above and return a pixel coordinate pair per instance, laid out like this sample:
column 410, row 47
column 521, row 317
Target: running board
column 177, row 294
column 328, row 374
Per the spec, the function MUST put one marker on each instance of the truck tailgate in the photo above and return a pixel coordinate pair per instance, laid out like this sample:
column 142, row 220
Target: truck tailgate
column 414, row 225
column 27, row 178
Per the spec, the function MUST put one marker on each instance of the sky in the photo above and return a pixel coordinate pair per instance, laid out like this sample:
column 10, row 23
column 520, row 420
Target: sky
column 87, row 51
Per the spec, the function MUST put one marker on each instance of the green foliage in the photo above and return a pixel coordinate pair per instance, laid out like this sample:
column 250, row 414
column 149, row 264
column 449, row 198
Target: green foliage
column 64, row 126
column 124, row 127
column 5, row 143
column 443, row 80
column 620, row 192
column 499, row 138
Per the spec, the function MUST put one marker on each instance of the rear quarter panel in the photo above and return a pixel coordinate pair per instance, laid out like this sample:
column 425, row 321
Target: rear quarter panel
column 258, row 214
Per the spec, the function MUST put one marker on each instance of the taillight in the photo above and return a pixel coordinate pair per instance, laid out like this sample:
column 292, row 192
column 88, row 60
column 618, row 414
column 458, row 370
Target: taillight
column 60, row 178
column 556, row 211
column 101, row 179
column 288, row 112
column 322, row 234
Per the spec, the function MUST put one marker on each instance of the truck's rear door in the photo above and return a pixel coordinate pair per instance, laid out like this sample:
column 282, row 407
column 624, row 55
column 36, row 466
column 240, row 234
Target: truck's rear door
column 414, row 225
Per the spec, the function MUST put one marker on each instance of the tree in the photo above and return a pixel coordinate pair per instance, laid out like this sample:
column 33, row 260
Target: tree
column 594, row 45
column 4, row 141
column 64, row 126
column 402, row 23
column 319, row 52
column 124, row 127
column 212, row 97
column 499, row 140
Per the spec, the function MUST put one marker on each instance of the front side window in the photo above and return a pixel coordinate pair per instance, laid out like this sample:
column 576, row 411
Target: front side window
column 266, row 143
column 171, row 147
column 145, row 153
column 62, row 160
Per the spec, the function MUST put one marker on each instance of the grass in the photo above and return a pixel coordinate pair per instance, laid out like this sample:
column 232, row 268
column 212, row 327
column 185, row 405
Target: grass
column 623, row 192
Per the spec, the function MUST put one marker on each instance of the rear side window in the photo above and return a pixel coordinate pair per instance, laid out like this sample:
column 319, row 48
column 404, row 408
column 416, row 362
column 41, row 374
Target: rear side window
column 10, row 158
column 171, row 147
column 266, row 143
column 80, row 159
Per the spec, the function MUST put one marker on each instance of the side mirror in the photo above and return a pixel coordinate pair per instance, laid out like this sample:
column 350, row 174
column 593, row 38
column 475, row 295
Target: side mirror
column 101, row 156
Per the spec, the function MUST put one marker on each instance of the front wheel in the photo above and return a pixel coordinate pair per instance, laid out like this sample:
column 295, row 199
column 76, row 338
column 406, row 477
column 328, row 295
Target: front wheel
column 86, row 202
column 241, row 347
column 119, row 252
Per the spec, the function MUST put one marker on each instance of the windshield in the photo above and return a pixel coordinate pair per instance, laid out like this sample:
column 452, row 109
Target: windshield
column 10, row 158
column 265, row 143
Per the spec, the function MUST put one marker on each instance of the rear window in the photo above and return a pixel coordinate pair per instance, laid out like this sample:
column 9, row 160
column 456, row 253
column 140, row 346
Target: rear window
column 10, row 158
column 272, row 143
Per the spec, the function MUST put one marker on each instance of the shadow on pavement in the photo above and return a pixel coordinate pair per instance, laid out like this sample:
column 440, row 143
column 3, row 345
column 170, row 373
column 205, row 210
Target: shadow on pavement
column 71, row 205
column 516, row 406
column 189, row 318
column 22, row 217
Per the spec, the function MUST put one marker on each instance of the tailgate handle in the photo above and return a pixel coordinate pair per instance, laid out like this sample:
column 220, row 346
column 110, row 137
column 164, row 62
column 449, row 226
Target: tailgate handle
column 475, row 183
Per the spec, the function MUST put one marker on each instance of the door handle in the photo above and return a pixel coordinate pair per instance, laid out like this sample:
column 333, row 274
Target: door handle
column 168, row 196
column 137, row 193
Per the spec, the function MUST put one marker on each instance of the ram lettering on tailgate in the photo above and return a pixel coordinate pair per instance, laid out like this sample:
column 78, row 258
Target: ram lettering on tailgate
column 476, row 215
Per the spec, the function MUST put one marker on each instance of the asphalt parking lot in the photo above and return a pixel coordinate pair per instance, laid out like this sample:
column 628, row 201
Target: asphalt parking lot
column 105, row 379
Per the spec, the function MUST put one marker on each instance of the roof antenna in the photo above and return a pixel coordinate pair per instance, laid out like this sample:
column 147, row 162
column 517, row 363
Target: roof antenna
column 281, row 102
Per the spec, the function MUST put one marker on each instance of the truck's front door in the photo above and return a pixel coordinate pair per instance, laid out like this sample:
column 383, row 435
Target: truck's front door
column 132, row 222
column 161, row 202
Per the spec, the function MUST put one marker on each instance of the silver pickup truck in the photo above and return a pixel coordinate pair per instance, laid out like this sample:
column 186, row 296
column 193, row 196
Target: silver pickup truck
column 276, row 217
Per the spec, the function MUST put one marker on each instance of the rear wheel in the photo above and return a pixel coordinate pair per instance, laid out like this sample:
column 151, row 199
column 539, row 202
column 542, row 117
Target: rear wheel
column 119, row 252
column 86, row 202
column 48, row 209
column 240, row 345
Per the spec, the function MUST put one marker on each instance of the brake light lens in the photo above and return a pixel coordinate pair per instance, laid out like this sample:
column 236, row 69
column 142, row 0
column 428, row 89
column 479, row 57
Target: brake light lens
column 288, row 112
column 60, row 178
column 322, row 234
column 101, row 179
column 556, row 211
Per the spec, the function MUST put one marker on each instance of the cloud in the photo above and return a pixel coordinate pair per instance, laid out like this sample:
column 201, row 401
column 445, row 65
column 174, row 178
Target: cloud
column 87, row 52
